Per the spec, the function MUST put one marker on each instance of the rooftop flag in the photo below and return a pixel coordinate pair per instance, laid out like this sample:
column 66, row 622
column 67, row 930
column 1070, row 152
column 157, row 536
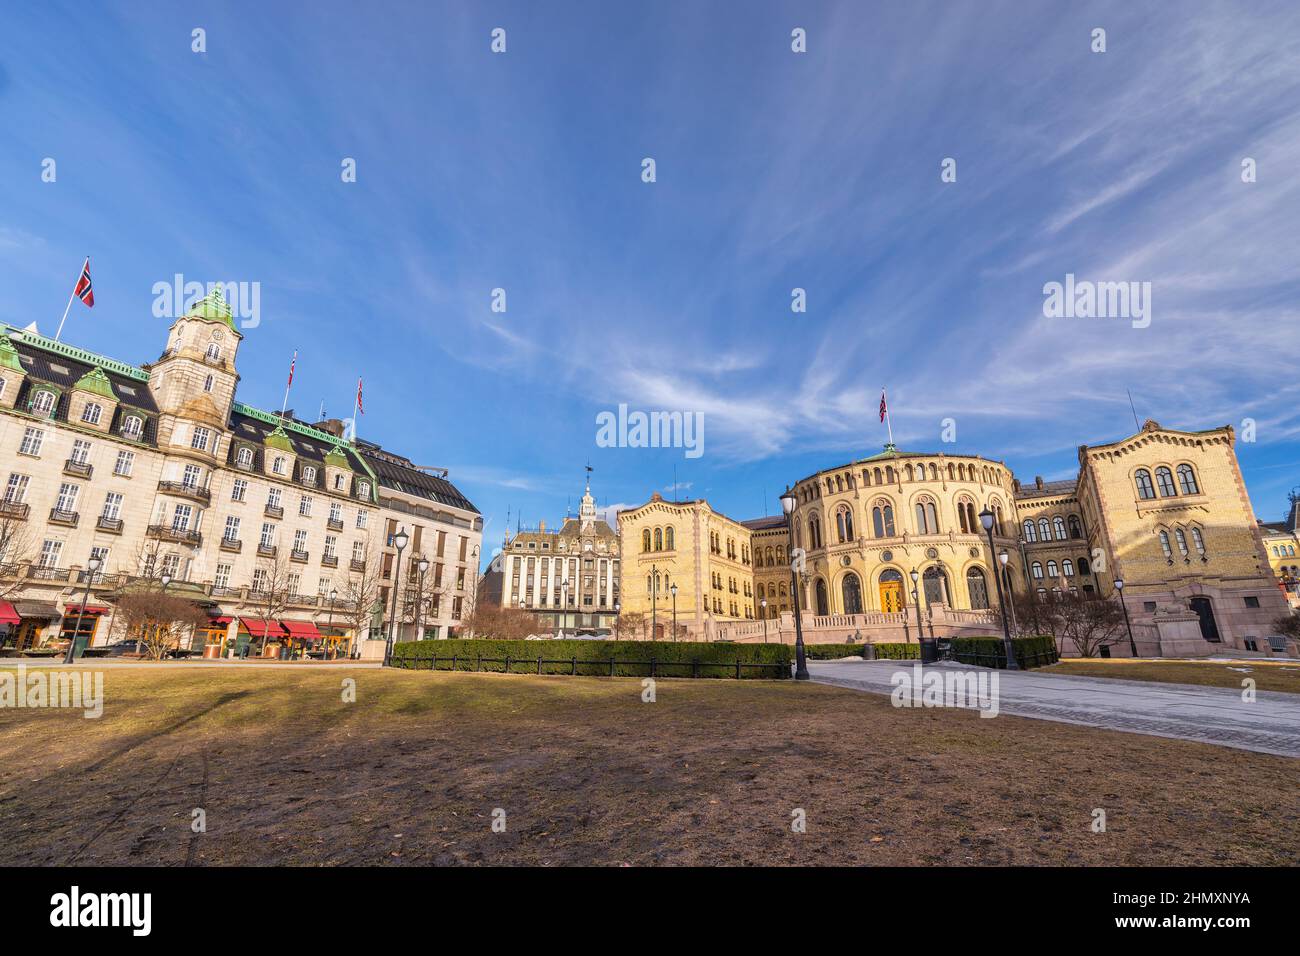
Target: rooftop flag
column 83, row 291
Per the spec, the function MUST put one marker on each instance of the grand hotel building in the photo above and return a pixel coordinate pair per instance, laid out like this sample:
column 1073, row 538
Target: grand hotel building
column 158, row 470
column 1165, row 511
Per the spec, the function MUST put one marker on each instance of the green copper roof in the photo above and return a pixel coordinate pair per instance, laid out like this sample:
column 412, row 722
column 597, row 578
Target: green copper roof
column 891, row 451
column 337, row 458
column 79, row 355
column 214, row 307
column 279, row 439
column 96, row 381
column 9, row 355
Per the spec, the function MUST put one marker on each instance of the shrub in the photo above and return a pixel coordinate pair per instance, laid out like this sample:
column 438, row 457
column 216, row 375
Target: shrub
column 592, row 658
column 898, row 652
column 989, row 652
column 831, row 652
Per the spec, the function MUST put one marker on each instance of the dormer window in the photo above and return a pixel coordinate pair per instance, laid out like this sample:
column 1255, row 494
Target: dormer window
column 92, row 413
column 339, row 482
column 43, row 404
column 309, row 475
column 244, row 458
column 132, row 426
column 363, row 489
column 278, row 466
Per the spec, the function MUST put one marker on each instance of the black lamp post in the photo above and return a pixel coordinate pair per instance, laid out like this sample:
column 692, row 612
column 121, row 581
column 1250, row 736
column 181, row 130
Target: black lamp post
column 673, row 588
column 564, row 604
column 788, row 501
column 329, row 623
column 618, row 610
column 1004, row 557
column 915, row 575
column 763, row 606
column 399, row 540
column 92, row 569
column 1132, row 644
column 654, row 601
column 986, row 519
column 422, row 565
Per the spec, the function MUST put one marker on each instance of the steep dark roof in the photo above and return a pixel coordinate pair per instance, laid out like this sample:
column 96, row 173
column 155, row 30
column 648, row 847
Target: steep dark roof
column 1063, row 487
column 252, row 430
column 765, row 523
column 399, row 474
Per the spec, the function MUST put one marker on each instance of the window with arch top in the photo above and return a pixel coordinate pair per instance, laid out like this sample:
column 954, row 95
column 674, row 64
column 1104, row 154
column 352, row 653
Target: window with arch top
column 645, row 539
column 1165, row 482
column 1142, row 478
column 1030, row 534
column 844, row 523
column 1187, row 480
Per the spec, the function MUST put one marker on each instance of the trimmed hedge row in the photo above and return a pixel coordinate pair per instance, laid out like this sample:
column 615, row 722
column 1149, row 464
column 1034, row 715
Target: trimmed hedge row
column 831, row 652
column 898, row 652
column 592, row 658
column 989, row 651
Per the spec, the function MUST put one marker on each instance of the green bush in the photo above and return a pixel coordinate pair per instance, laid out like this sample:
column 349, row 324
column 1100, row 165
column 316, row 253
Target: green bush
column 897, row 652
column 831, row 652
column 989, row 651
column 592, row 658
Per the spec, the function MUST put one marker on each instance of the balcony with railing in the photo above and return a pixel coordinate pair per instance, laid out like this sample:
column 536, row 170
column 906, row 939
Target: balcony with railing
column 334, row 524
column 40, row 573
column 356, row 565
column 185, row 490
column 66, row 518
column 266, row 550
column 298, row 555
column 82, row 469
column 14, row 509
column 111, row 525
column 163, row 532
column 232, row 544
column 273, row 511
column 329, row 560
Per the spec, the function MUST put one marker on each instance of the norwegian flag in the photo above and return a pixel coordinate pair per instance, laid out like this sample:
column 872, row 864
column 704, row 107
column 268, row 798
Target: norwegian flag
column 84, row 291
column 884, row 409
column 360, row 409
column 292, row 363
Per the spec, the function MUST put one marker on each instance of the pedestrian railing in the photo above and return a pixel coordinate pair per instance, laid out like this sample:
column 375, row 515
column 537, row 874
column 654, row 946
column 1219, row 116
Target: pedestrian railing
column 603, row 667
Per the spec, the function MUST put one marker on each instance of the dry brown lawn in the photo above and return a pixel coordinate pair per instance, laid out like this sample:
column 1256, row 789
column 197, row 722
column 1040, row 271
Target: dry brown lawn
column 1268, row 675
column 289, row 774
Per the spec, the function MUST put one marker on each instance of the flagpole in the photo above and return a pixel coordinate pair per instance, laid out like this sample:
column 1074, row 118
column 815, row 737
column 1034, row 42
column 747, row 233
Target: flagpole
column 884, row 394
column 289, row 384
column 356, row 403
column 72, row 296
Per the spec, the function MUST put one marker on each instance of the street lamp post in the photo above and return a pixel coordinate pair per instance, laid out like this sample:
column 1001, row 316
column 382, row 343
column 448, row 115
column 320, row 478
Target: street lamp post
column 329, row 623
column 654, row 600
column 915, row 575
column 1132, row 644
column 788, row 502
column 422, row 565
column 1004, row 557
column 673, row 588
column 986, row 519
column 92, row 569
column 399, row 540
column 763, row 611
column 564, row 605
column 618, row 609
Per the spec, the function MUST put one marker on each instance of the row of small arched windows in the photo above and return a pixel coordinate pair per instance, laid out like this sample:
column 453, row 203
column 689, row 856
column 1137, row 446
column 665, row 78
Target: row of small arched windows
column 883, row 525
column 888, row 475
column 1046, row 530
column 1180, row 539
column 1164, row 482
column 1066, row 568
column 660, row 539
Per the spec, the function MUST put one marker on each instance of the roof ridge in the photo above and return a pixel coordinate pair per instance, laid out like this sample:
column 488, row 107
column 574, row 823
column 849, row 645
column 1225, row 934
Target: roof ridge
column 36, row 340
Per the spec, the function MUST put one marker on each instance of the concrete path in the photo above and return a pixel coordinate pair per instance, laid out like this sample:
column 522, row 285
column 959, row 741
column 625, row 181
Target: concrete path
column 1211, row 715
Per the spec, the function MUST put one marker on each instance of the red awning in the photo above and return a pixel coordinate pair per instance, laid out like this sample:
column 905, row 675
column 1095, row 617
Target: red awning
column 255, row 627
column 93, row 609
column 219, row 621
column 8, row 615
column 302, row 630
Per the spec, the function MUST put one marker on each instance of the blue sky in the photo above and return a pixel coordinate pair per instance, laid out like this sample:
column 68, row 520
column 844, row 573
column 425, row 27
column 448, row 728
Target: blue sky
column 775, row 170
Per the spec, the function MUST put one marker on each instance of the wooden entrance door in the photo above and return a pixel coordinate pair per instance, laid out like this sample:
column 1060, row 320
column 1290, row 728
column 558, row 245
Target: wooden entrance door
column 891, row 596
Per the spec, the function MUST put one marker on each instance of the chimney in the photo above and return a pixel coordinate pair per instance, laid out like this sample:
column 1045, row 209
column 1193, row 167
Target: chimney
column 333, row 426
column 1038, row 482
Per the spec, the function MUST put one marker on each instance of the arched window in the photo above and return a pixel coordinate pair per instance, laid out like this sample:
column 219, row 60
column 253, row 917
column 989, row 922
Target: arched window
column 1198, row 541
column 1083, row 566
column 1036, row 570
column 907, row 472
column 814, row 533
column 659, row 539
column 43, row 403
column 844, row 524
column 645, row 540
column 1076, row 527
column 1051, row 569
column 935, row 582
column 278, row 465
column 1143, row 479
column 997, row 518
column 92, row 413
column 1058, row 523
column 780, row 553
column 927, row 519
column 132, row 426
column 977, row 588
column 851, row 592
column 308, row 474
column 1182, row 541
column 1165, row 482
column 1044, row 529
column 1030, row 534
column 1164, row 544
column 823, row 605
column 971, row 520
column 882, row 520
column 669, row 543
column 1187, row 480
column 214, row 352
column 244, row 458
column 207, row 384
column 1067, row 568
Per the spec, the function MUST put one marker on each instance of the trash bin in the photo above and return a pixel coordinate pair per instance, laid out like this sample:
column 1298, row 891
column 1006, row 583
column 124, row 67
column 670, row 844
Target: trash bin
column 869, row 651
column 929, row 650
column 79, row 645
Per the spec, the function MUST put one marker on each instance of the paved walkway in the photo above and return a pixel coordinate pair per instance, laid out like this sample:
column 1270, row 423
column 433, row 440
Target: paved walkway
column 1212, row 715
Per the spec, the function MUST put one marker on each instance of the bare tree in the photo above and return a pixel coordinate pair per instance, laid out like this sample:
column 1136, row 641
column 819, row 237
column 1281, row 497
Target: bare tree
column 1289, row 625
column 16, row 550
column 631, row 626
column 359, row 595
column 1086, row 621
column 155, row 619
column 494, row 622
column 270, row 592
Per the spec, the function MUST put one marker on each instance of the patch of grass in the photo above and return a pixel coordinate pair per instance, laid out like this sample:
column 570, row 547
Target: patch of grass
column 290, row 774
column 1268, row 675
